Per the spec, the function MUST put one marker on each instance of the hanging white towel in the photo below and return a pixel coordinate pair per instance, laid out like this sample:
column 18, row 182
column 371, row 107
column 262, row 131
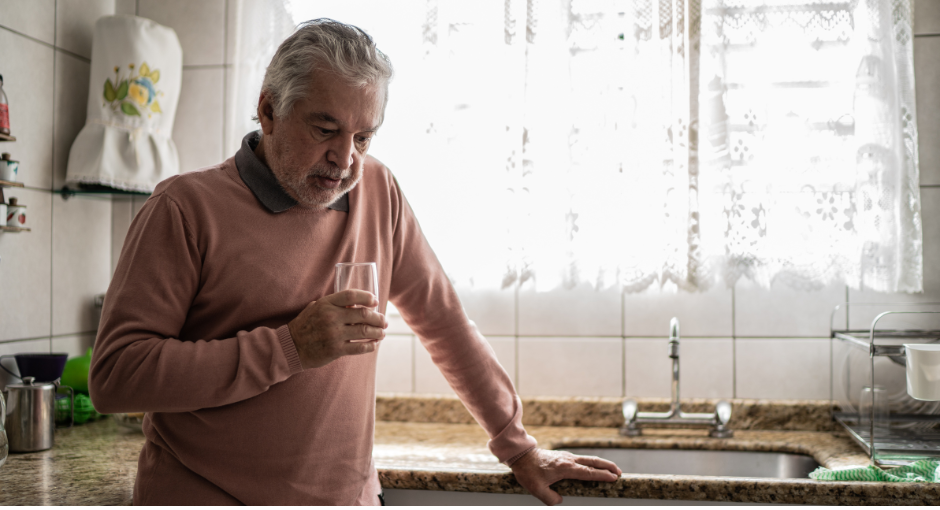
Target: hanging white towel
column 136, row 70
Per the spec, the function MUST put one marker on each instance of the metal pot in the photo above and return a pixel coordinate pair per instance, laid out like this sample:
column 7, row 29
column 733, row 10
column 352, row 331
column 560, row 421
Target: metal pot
column 30, row 415
column 4, row 447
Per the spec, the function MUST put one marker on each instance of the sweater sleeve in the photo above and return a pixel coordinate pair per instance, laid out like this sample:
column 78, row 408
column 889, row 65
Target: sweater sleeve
column 139, row 363
column 429, row 304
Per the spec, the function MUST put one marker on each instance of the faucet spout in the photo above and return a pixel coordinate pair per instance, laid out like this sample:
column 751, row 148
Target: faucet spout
column 717, row 420
column 674, row 407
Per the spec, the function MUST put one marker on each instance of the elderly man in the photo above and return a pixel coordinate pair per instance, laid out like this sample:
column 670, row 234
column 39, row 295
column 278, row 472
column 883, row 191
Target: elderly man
column 222, row 325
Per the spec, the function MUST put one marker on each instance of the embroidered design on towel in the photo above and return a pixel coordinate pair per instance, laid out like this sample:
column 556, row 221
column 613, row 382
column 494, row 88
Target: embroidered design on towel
column 135, row 94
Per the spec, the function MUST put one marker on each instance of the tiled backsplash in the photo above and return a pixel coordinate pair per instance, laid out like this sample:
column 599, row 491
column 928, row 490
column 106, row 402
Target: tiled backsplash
column 744, row 342
column 51, row 274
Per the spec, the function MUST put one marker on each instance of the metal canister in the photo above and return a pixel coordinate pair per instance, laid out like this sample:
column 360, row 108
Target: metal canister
column 16, row 214
column 30, row 416
column 9, row 168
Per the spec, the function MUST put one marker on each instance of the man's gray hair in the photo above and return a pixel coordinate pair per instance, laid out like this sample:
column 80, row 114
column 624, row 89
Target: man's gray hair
column 322, row 45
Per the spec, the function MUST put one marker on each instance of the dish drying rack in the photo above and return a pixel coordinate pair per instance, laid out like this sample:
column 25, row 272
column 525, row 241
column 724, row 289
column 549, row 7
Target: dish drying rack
column 903, row 437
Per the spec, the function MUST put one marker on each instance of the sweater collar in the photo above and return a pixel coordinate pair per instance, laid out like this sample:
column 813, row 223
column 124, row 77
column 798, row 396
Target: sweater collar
column 261, row 181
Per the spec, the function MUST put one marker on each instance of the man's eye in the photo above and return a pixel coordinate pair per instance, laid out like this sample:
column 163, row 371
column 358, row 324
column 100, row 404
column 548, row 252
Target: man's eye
column 325, row 132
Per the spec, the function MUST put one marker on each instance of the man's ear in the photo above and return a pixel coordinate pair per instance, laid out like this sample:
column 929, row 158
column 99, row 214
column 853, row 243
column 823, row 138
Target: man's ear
column 266, row 114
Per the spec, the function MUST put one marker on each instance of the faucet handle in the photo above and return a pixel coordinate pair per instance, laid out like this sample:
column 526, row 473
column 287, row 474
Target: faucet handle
column 629, row 410
column 722, row 417
column 723, row 412
column 629, row 419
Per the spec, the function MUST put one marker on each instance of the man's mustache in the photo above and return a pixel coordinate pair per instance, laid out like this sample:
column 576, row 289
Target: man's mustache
column 329, row 174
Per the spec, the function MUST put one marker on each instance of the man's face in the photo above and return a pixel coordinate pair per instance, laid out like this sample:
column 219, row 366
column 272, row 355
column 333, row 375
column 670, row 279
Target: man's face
column 317, row 152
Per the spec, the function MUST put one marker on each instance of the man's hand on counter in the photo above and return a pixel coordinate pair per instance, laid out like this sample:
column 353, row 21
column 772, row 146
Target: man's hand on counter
column 540, row 468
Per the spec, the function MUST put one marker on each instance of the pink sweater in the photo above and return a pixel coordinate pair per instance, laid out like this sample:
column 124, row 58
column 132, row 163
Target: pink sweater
column 193, row 333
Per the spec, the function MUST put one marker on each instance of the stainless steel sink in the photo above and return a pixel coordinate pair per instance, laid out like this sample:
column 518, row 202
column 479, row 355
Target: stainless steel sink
column 705, row 462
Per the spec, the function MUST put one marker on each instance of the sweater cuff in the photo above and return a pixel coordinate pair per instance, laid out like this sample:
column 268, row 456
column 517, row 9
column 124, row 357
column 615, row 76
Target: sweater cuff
column 512, row 442
column 290, row 350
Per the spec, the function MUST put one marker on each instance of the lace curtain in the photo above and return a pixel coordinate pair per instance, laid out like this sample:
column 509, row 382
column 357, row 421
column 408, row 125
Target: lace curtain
column 630, row 143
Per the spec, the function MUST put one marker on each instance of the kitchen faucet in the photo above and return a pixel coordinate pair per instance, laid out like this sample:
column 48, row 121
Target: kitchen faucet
column 717, row 420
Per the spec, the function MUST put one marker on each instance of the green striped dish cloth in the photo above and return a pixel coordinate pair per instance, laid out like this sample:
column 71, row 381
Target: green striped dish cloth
column 920, row 471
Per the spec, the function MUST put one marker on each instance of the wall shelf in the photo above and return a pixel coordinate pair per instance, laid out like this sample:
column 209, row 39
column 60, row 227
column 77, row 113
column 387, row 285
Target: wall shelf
column 10, row 184
column 5, row 228
column 67, row 192
column 7, row 138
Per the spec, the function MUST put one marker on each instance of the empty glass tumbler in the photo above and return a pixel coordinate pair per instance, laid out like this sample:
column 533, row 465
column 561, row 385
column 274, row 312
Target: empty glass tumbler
column 357, row 275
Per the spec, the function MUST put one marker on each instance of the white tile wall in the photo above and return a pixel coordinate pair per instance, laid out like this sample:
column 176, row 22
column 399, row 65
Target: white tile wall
column 197, row 130
column 784, row 312
column 428, row 378
column 782, row 368
column 200, row 26
column 700, row 314
column 71, row 106
column 26, row 269
column 28, row 82
column 568, row 366
column 493, row 311
column 706, row 368
column 48, row 89
column 926, row 17
column 125, row 7
column 395, row 366
column 121, row 215
column 34, row 18
column 581, row 311
column 75, row 23
column 73, row 345
column 137, row 203
column 927, row 80
column 81, row 261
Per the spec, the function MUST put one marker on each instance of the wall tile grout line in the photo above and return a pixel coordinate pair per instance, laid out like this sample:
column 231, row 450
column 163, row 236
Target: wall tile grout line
column 734, row 346
column 55, row 41
column 51, row 46
column 225, row 98
column 51, row 337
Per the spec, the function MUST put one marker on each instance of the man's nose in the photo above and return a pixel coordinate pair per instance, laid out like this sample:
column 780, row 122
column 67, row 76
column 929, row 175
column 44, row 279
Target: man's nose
column 341, row 151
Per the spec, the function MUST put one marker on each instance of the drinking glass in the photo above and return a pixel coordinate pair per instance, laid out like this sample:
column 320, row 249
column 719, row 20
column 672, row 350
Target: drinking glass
column 872, row 399
column 357, row 275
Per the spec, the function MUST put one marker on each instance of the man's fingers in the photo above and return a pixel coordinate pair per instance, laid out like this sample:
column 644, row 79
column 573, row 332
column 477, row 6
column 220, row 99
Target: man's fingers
column 362, row 316
column 362, row 332
column 353, row 348
column 350, row 297
column 599, row 463
column 588, row 473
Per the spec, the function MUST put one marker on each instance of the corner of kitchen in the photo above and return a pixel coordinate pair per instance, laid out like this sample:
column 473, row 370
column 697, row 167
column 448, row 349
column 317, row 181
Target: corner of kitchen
column 718, row 268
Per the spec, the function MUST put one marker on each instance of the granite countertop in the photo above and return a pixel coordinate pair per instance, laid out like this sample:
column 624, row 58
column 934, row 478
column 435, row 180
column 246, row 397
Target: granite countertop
column 427, row 443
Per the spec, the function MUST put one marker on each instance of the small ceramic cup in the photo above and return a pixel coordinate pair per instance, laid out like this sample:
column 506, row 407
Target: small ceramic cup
column 15, row 214
column 923, row 371
column 8, row 169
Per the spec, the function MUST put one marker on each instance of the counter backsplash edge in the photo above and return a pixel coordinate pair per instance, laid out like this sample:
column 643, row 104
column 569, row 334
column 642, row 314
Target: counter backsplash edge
column 747, row 414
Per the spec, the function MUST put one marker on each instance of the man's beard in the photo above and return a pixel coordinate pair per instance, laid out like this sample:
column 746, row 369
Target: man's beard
column 313, row 196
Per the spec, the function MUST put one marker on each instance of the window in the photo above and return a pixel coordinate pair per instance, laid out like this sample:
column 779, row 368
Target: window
column 579, row 141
